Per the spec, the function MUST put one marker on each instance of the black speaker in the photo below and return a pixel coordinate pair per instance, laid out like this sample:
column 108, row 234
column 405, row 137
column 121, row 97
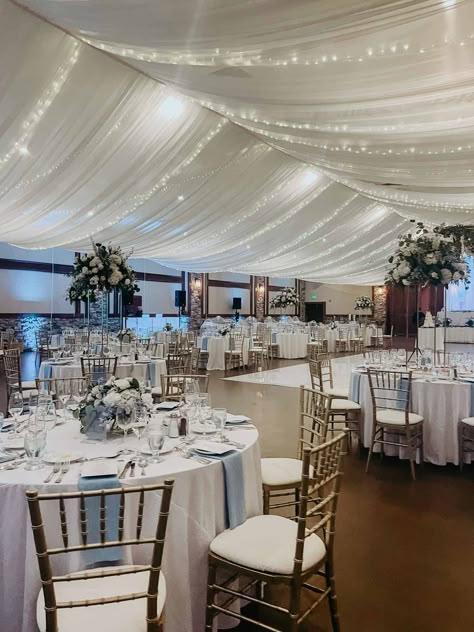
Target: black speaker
column 236, row 303
column 180, row 298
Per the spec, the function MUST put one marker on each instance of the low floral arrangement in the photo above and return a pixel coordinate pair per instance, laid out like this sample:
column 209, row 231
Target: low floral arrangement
column 363, row 302
column 285, row 298
column 470, row 322
column 168, row 327
column 446, row 322
column 102, row 270
column 126, row 333
column 223, row 331
column 115, row 397
column 428, row 257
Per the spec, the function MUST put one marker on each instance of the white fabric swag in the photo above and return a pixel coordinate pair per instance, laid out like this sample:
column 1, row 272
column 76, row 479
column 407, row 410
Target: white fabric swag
column 358, row 116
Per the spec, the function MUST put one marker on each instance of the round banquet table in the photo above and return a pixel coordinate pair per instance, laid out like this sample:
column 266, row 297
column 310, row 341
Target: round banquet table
column 142, row 371
column 442, row 403
column 197, row 515
column 216, row 346
column 292, row 345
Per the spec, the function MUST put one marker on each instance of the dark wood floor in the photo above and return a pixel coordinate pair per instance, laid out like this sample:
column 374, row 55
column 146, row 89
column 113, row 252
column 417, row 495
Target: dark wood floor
column 404, row 550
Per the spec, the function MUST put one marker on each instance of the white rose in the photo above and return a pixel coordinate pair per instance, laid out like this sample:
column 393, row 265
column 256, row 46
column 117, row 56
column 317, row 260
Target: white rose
column 85, row 270
column 95, row 270
column 405, row 282
column 456, row 276
column 94, row 280
column 127, row 281
column 430, row 258
column 122, row 384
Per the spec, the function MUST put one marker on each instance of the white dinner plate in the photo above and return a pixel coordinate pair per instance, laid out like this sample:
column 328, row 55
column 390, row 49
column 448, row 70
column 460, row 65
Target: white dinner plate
column 237, row 419
column 54, row 457
column 203, row 429
column 15, row 443
column 211, row 448
column 167, row 405
column 168, row 446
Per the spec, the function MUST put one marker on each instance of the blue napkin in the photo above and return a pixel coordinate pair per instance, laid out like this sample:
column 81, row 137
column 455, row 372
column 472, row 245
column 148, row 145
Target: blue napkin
column 234, row 487
column 354, row 390
column 47, row 371
column 151, row 373
column 472, row 400
column 204, row 344
column 112, row 503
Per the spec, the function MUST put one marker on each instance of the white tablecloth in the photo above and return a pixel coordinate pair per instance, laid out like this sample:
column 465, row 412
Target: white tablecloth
column 197, row 515
column 216, row 348
column 453, row 334
column 139, row 370
column 442, row 404
column 292, row 345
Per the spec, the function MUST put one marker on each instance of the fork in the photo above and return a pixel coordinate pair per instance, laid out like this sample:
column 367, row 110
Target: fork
column 64, row 470
column 189, row 455
column 55, row 470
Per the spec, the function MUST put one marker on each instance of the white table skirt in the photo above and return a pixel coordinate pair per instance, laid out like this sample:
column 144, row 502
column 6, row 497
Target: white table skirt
column 137, row 370
column 216, row 348
column 442, row 405
column 292, row 345
column 453, row 335
column 197, row 515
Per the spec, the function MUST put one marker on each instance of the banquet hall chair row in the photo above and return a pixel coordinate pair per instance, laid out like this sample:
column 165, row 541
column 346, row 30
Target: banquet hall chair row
column 122, row 598
column 272, row 550
column 393, row 423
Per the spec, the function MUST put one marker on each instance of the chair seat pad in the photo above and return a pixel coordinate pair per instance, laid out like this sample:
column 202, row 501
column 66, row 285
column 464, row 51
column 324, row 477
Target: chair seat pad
column 344, row 404
column 397, row 417
column 281, row 471
column 267, row 543
column 256, row 350
column 28, row 384
column 156, row 390
column 234, row 352
column 119, row 617
column 468, row 420
column 337, row 392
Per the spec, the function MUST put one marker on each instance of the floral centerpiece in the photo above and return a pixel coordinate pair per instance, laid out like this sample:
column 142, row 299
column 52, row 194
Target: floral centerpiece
column 107, row 401
column 363, row 302
column 223, row 331
column 103, row 269
column 168, row 327
column 128, row 334
column 427, row 257
column 286, row 298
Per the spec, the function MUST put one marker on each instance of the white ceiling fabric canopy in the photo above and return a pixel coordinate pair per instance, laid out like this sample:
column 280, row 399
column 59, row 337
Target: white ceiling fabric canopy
column 353, row 97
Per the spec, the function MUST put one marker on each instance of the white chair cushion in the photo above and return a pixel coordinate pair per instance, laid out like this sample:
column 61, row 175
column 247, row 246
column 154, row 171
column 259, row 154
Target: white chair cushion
column 337, row 392
column 29, row 393
column 280, row 471
column 156, row 390
column 267, row 543
column 397, row 417
column 126, row 616
column 468, row 420
column 344, row 404
column 28, row 384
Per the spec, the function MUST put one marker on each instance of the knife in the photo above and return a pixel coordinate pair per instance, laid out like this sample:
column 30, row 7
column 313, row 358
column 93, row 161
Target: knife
column 125, row 469
column 132, row 469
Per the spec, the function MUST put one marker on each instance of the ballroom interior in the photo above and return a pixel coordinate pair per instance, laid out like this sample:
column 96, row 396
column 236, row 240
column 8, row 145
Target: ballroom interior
column 236, row 315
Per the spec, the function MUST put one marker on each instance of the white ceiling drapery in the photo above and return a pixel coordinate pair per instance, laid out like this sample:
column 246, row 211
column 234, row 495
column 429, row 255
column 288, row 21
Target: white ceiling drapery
column 351, row 119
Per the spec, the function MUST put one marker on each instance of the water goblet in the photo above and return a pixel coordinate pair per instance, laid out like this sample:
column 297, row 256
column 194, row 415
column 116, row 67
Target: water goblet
column 124, row 421
column 15, row 407
column 220, row 418
column 35, row 444
column 156, row 439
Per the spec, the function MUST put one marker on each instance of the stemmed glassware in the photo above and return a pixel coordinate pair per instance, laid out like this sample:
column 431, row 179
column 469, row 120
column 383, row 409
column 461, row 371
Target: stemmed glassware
column 15, row 407
column 156, row 439
column 125, row 421
column 35, row 445
column 220, row 418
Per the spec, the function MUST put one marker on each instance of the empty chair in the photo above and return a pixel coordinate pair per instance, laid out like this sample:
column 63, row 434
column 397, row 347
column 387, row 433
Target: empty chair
column 388, row 339
column 342, row 340
column 173, row 386
column 98, row 368
column 466, row 438
column 391, row 399
column 281, row 477
column 133, row 596
column 11, row 359
column 278, row 551
column 178, row 362
column 321, row 377
column 234, row 355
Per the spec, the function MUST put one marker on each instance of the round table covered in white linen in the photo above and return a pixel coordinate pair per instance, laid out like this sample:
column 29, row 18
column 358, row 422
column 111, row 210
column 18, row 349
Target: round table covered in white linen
column 216, row 346
column 138, row 370
column 197, row 515
column 292, row 345
column 442, row 404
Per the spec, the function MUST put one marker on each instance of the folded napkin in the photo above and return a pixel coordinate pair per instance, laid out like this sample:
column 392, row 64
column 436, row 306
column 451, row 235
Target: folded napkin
column 151, row 373
column 204, row 344
column 354, row 389
column 47, row 371
column 234, row 489
column 274, row 338
column 93, row 483
column 5, row 457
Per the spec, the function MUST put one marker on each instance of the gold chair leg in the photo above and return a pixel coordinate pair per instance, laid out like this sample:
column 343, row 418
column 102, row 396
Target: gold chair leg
column 371, row 448
column 266, row 501
column 211, row 580
column 332, row 598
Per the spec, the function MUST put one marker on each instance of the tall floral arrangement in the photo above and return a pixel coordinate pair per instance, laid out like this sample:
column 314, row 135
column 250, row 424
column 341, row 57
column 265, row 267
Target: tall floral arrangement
column 286, row 298
column 104, row 269
column 363, row 302
column 427, row 257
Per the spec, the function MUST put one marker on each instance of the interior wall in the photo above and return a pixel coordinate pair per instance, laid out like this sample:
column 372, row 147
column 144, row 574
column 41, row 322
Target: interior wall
column 220, row 298
column 339, row 299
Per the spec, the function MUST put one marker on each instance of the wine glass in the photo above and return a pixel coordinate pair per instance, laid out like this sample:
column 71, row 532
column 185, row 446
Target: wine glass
column 35, row 444
column 15, row 407
column 124, row 421
column 220, row 418
column 156, row 439
column 204, row 407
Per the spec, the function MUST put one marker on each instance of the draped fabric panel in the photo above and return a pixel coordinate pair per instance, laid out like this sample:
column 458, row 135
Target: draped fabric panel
column 289, row 140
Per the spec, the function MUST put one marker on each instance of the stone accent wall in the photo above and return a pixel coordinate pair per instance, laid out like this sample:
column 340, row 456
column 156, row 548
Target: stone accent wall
column 196, row 294
column 380, row 302
column 260, row 298
column 302, row 295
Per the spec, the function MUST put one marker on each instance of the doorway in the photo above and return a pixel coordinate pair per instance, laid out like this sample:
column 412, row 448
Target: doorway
column 315, row 311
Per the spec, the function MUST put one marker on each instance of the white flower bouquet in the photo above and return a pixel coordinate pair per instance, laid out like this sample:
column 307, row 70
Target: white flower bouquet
column 286, row 298
column 127, row 334
column 168, row 327
column 427, row 258
column 363, row 302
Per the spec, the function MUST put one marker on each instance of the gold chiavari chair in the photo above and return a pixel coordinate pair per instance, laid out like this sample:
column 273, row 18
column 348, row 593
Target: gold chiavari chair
column 377, row 339
column 60, row 387
column 134, row 595
column 234, row 355
column 98, row 368
column 388, row 339
column 466, row 438
column 195, row 359
column 43, row 348
column 178, row 363
column 281, row 477
column 342, row 340
column 270, row 349
column 342, row 409
column 280, row 552
column 391, row 398
column 12, row 364
column 173, row 386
